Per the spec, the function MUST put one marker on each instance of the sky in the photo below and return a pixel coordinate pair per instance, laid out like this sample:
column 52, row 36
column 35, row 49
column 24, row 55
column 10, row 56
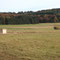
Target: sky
column 27, row 5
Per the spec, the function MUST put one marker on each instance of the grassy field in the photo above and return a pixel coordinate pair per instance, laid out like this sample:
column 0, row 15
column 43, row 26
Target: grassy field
column 30, row 42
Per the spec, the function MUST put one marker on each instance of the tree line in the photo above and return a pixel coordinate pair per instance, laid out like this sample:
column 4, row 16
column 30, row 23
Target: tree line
column 30, row 17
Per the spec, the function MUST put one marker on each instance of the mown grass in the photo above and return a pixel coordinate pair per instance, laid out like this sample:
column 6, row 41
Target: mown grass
column 30, row 43
column 25, row 25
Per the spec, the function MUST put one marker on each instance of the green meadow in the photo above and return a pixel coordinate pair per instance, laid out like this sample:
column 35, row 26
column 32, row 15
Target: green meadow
column 30, row 42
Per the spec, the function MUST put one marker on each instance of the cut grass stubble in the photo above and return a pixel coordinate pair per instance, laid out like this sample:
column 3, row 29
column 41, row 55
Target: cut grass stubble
column 30, row 44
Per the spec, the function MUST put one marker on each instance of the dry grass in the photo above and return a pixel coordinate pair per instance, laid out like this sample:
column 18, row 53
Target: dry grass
column 30, row 43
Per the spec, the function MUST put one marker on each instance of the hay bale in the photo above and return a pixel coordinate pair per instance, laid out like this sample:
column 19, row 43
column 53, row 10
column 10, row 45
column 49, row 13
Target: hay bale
column 57, row 27
column 3, row 31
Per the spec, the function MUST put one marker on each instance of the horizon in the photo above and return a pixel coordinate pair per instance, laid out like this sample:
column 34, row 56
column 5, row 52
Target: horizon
column 25, row 5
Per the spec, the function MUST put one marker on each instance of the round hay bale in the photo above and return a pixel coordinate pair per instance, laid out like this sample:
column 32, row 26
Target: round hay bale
column 57, row 27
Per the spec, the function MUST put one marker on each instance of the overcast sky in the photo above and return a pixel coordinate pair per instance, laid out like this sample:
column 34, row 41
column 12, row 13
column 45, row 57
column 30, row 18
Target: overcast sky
column 27, row 5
